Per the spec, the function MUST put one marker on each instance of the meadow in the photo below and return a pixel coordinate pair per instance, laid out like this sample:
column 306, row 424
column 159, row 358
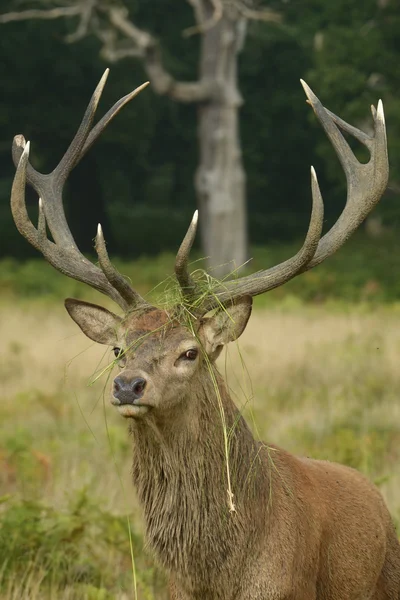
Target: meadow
column 316, row 372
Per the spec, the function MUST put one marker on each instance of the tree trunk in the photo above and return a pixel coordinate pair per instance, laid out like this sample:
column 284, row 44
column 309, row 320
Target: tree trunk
column 220, row 178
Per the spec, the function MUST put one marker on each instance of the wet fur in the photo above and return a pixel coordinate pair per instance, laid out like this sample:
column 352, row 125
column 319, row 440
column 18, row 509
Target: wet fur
column 302, row 529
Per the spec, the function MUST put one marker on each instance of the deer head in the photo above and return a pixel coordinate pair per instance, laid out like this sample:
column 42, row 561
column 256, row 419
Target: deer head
column 168, row 384
column 160, row 357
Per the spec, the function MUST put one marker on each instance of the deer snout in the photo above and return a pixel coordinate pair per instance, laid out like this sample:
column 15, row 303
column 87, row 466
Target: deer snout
column 128, row 391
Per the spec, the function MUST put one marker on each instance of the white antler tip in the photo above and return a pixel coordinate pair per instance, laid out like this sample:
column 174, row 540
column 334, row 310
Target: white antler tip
column 195, row 217
column 139, row 89
column 99, row 231
column 311, row 97
column 313, row 173
column 306, row 87
column 26, row 149
column 102, row 82
column 379, row 113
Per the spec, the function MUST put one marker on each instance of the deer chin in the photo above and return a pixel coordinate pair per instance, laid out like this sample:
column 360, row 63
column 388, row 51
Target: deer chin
column 133, row 411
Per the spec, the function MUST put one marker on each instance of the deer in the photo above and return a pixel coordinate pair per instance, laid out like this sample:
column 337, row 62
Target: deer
column 227, row 516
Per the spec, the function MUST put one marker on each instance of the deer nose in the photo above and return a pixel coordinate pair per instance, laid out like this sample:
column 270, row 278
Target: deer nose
column 127, row 391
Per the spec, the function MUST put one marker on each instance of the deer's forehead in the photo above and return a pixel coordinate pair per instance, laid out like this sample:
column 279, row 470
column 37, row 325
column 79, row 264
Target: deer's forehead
column 148, row 321
column 153, row 326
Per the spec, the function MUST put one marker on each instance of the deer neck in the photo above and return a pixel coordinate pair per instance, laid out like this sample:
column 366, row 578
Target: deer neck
column 180, row 473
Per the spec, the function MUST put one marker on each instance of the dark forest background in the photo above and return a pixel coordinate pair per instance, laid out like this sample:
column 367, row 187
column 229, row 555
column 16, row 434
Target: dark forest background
column 138, row 179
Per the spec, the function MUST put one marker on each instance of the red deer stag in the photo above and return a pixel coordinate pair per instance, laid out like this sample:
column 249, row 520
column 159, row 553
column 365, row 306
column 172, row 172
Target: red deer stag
column 290, row 528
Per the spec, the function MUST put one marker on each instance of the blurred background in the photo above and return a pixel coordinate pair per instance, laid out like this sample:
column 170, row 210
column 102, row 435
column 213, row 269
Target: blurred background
column 224, row 126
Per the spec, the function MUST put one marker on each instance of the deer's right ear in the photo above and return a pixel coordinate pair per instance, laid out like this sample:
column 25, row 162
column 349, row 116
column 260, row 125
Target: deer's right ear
column 225, row 326
column 99, row 324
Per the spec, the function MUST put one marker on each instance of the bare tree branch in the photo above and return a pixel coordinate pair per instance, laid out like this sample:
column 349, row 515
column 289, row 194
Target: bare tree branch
column 198, row 9
column 121, row 39
column 34, row 13
column 113, row 50
column 119, row 17
column 252, row 14
column 146, row 46
column 83, row 9
column 204, row 24
column 84, row 22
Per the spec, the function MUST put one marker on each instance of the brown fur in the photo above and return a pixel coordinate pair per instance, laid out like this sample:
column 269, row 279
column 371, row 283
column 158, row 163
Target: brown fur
column 302, row 529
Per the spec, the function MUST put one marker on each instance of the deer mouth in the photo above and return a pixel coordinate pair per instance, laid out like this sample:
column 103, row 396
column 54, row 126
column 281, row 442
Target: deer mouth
column 132, row 411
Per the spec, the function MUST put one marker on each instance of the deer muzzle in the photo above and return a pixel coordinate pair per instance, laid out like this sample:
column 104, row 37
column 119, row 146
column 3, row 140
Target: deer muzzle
column 128, row 391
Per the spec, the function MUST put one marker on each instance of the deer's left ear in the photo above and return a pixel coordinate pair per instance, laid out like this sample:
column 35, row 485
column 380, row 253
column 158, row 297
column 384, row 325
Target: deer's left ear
column 98, row 323
column 225, row 326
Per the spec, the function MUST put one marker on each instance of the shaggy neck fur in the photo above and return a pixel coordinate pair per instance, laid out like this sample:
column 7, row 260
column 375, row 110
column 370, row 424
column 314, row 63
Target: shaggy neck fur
column 179, row 469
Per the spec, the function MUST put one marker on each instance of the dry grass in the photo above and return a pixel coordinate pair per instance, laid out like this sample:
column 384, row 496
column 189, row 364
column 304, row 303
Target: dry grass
column 45, row 367
column 320, row 383
column 327, row 385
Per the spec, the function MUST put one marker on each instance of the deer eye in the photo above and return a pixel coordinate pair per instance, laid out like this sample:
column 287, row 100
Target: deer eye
column 190, row 354
column 117, row 352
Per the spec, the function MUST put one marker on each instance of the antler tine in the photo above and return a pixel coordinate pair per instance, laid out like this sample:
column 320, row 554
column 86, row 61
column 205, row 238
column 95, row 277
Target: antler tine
column 104, row 121
column 268, row 279
column 131, row 297
column 365, row 182
column 18, row 146
column 185, row 281
column 73, row 154
column 51, row 186
column 63, row 253
column 66, row 260
column 90, row 135
column 18, row 206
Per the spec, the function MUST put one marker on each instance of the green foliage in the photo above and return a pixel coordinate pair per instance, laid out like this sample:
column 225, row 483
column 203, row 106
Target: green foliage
column 81, row 547
column 349, row 443
column 355, row 48
column 76, row 547
column 363, row 271
column 278, row 145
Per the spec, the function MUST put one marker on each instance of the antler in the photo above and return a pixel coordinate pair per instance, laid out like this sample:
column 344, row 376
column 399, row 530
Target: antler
column 63, row 253
column 183, row 276
column 365, row 186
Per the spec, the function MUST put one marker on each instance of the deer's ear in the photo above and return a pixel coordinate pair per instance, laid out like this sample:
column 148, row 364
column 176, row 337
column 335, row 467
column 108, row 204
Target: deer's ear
column 225, row 326
column 99, row 324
